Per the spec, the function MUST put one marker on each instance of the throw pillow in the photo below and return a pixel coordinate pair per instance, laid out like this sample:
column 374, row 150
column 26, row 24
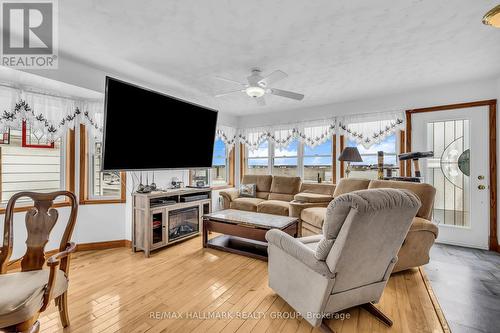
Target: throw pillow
column 248, row 190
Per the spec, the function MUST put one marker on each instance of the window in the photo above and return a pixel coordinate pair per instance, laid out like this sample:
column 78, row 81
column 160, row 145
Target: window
column 200, row 175
column 31, row 169
column 296, row 159
column 318, row 162
column 367, row 168
column 102, row 184
column 285, row 160
column 220, row 169
column 257, row 162
column 97, row 186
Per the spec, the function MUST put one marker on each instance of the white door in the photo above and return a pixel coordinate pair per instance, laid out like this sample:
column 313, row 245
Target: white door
column 459, row 171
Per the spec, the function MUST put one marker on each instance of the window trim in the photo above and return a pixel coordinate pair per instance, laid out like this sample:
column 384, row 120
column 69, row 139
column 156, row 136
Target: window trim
column 69, row 155
column 84, row 198
column 24, row 139
column 230, row 171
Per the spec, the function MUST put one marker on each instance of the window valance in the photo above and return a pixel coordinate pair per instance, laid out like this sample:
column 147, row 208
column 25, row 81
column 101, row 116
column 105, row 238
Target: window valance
column 49, row 117
column 227, row 134
column 369, row 129
column 365, row 129
column 311, row 133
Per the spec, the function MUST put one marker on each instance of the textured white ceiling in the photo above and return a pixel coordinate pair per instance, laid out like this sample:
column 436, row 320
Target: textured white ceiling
column 332, row 50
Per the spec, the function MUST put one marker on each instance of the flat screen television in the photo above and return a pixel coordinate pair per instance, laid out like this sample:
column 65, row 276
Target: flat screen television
column 147, row 130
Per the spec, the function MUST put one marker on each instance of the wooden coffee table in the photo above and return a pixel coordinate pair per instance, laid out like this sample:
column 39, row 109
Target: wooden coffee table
column 244, row 232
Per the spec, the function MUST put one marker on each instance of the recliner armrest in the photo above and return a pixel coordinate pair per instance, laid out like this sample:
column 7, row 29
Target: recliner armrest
column 298, row 250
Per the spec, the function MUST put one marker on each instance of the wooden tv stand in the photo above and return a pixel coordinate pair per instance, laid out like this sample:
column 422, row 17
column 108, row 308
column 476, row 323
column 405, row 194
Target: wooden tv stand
column 166, row 217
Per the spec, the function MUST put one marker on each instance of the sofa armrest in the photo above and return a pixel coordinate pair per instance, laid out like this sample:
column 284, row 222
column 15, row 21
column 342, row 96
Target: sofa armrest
column 308, row 197
column 421, row 224
column 298, row 250
column 228, row 196
column 296, row 207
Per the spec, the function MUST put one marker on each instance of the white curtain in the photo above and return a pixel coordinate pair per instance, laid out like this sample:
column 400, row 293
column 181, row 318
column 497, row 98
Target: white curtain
column 317, row 132
column 8, row 99
column 227, row 134
column 48, row 116
column 369, row 129
column 253, row 137
column 92, row 116
column 312, row 133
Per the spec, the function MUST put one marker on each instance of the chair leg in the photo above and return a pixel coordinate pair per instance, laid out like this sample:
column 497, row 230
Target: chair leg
column 324, row 327
column 31, row 325
column 377, row 313
column 62, row 304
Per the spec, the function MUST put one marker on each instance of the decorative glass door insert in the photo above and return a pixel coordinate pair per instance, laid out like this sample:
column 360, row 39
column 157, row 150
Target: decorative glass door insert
column 449, row 171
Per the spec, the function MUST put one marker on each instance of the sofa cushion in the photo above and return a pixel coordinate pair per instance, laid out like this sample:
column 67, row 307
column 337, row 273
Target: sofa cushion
column 22, row 294
column 348, row 185
column 285, row 185
column 262, row 182
column 424, row 192
column 323, row 188
column 309, row 230
column 276, row 207
column 248, row 204
column 312, row 197
column 314, row 216
column 281, row 197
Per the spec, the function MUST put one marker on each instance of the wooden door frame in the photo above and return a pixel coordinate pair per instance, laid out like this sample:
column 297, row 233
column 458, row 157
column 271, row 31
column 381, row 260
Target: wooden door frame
column 492, row 104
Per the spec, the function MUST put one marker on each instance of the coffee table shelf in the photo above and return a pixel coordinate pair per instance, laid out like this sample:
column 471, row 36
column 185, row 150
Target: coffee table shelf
column 244, row 232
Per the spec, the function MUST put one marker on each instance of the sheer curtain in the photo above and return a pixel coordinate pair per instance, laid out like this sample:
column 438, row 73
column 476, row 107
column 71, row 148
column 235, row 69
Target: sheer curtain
column 372, row 128
column 227, row 134
column 48, row 116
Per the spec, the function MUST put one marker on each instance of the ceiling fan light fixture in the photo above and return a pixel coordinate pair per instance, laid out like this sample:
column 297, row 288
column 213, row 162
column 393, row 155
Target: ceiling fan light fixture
column 255, row 92
column 492, row 17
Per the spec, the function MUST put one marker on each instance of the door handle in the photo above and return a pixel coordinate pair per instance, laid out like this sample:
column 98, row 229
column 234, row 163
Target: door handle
column 481, row 187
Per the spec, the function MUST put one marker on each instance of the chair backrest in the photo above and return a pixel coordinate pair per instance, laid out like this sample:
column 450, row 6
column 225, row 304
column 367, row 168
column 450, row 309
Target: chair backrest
column 347, row 185
column 40, row 219
column 424, row 192
column 363, row 232
column 284, row 188
column 263, row 183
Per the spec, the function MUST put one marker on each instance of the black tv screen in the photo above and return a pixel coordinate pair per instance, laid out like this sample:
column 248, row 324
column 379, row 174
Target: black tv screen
column 145, row 130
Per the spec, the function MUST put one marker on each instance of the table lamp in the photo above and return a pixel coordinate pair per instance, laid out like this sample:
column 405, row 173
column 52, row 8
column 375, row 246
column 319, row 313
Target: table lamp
column 350, row 154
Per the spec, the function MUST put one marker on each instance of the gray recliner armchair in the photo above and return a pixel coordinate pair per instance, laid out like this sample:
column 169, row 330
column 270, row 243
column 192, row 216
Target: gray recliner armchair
column 350, row 263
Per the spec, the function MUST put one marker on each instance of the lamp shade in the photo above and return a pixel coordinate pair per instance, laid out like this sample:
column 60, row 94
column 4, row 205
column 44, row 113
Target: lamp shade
column 350, row 154
column 493, row 17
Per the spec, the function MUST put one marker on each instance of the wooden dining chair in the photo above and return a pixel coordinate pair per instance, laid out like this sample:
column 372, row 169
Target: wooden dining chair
column 25, row 294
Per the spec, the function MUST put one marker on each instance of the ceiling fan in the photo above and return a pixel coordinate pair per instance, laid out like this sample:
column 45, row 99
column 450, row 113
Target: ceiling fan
column 259, row 85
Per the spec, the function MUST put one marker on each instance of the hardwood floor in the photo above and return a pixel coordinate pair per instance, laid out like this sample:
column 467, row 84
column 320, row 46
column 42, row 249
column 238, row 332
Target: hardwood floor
column 116, row 290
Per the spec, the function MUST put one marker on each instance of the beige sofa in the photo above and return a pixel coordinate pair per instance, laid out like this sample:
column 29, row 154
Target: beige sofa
column 274, row 194
column 422, row 233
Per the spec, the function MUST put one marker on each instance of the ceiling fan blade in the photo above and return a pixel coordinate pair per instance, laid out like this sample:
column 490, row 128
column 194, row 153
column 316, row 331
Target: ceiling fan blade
column 260, row 100
column 228, row 93
column 271, row 78
column 287, row 94
column 229, row 80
